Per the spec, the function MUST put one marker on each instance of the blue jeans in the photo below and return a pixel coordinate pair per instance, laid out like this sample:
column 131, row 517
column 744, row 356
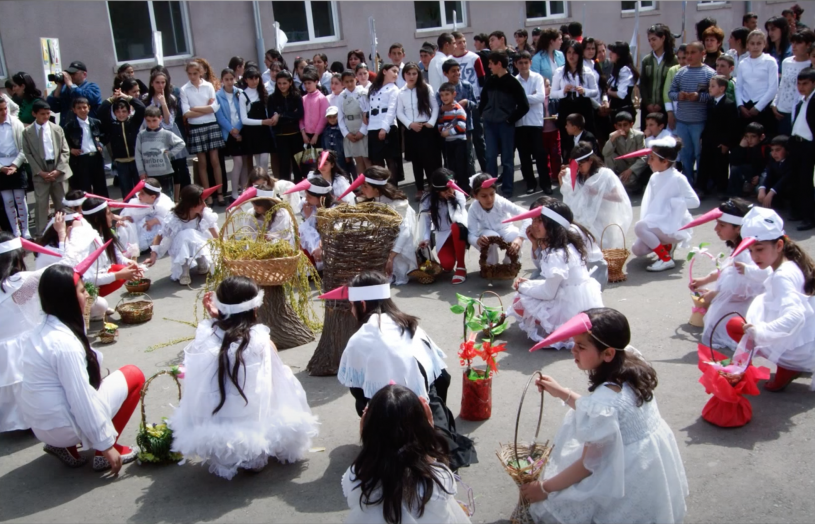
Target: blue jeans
column 691, row 152
column 501, row 139
column 478, row 138
column 128, row 176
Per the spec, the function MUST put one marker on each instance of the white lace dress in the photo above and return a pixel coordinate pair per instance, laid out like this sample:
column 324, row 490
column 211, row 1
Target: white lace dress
column 598, row 203
column 186, row 241
column 637, row 473
column 563, row 290
column 274, row 421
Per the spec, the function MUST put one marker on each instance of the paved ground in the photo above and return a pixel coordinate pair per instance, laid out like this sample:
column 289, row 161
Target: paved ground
column 758, row 473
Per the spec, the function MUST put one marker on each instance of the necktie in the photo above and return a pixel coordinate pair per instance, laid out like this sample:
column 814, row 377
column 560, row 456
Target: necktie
column 797, row 110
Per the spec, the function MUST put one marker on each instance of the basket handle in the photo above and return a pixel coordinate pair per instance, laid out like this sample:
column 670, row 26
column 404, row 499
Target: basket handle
column 481, row 297
column 604, row 232
column 147, row 385
column 693, row 259
column 131, row 295
column 712, row 331
column 281, row 203
column 518, row 417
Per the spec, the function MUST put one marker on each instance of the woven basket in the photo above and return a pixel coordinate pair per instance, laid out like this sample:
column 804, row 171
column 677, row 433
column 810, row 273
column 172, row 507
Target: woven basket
column 428, row 270
column 155, row 442
column 615, row 257
column 137, row 311
column 106, row 337
column 732, row 378
column 269, row 272
column 514, row 457
column 498, row 271
column 141, row 287
column 86, row 312
column 501, row 320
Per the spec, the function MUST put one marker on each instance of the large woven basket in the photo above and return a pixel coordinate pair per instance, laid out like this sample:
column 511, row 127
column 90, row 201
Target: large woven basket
column 155, row 440
column 137, row 310
column 515, row 459
column 269, row 272
column 615, row 257
column 498, row 271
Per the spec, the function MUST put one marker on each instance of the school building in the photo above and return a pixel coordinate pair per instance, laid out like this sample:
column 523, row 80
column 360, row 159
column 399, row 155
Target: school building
column 104, row 35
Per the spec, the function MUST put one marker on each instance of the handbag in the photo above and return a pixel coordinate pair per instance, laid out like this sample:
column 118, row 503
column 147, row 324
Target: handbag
column 308, row 158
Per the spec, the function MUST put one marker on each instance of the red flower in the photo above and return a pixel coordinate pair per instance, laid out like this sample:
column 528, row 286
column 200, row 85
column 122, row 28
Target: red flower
column 467, row 351
column 488, row 353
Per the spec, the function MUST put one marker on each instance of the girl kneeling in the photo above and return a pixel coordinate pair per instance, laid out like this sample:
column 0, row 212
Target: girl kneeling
column 486, row 216
column 445, row 216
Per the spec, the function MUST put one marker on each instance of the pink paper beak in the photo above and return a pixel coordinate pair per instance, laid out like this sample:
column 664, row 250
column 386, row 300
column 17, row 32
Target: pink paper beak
column 354, row 186
column 710, row 216
column 138, row 187
column 248, row 194
column 391, row 382
column 341, row 293
column 532, row 213
column 745, row 243
column 208, row 192
column 91, row 195
column 36, row 248
column 323, row 156
column 489, row 182
column 573, row 171
column 576, row 325
column 83, row 266
column 122, row 205
column 634, row 154
column 303, row 185
column 452, row 185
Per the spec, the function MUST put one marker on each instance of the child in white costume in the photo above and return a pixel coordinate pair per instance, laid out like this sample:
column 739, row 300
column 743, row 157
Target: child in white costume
column 564, row 287
column 55, row 237
column 444, row 215
column 486, row 216
column 615, row 459
column 597, row 198
column 185, row 235
column 139, row 227
column 329, row 170
column 780, row 321
column 665, row 205
column 318, row 194
column 239, row 416
column 726, row 290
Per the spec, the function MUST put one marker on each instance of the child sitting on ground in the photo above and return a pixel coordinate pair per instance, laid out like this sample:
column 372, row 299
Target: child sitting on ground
column 576, row 129
column 779, row 176
column 747, row 162
column 318, row 195
column 330, row 170
column 625, row 139
column 444, row 213
column 486, row 216
column 139, row 226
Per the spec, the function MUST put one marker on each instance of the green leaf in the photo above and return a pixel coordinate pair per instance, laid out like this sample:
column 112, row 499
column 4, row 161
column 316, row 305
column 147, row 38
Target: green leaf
column 493, row 316
column 690, row 256
column 470, row 311
column 475, row 325
column 497, row 330
column 704, row 245
column 457, row 309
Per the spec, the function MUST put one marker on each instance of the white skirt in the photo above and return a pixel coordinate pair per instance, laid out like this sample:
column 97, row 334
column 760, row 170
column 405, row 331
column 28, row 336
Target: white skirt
column 188, row 247
column 11, row 383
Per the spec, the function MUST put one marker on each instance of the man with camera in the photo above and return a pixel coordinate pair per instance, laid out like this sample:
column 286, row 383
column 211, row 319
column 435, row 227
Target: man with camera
column 73, row 83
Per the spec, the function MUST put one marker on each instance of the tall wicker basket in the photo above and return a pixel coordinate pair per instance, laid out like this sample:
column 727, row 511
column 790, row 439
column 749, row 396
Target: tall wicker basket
column 354, row 238
column 615, row 257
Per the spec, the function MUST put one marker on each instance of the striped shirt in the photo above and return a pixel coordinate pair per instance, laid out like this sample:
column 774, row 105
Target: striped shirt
column 455, row 122
column 691, row 80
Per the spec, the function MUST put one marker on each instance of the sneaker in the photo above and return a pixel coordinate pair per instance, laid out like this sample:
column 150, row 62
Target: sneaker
column 65, row 456
column 128, row 455
column 203, row 266
column 661, row 265
column 185, row 279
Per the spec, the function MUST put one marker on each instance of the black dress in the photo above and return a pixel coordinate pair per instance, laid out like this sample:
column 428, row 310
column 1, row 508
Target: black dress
column 256, row 139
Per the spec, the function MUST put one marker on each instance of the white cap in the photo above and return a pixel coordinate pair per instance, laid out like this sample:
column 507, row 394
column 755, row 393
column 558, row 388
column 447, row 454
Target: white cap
column 762, row 224
column 332, row 111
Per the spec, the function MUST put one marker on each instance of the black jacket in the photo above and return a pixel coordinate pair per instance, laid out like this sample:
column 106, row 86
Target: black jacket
column 73, row 134
column 567, row 144
column 122, row 135
column 722, row 125
column 752, row 157
column 290, row 111
column 503, row 99
column 778, row 176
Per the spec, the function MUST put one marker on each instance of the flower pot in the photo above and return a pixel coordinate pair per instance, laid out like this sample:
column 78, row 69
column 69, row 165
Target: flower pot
column 476, row 396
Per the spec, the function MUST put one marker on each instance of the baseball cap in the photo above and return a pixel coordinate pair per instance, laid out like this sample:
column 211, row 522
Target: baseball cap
column 762, row 224
column 76, row 66
column 331, row 111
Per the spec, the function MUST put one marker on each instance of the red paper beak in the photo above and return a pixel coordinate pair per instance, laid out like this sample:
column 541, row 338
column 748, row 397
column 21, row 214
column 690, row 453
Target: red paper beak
column 710, row 216
column 532, row 213
column 576, row 325
column 303, row 185
column 122, row 205
column 83, row 266
column 452, row 185
column 354, row 186
column 745, row 243
column 341, row 293
column 36, row 248
column 91, row 195
column 573, row 171
column 641, row 152
column 208, row 192
column 323, row 156
column 248, row 194
column 138, row 187
column 489, row 182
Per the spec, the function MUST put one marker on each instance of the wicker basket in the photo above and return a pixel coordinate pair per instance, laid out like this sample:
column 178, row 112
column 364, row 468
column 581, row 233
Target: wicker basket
column 141, row 287
column 106, row 337
column 615, row 257
column 514, row 457
column 269, row 272
column 137, row 310
column 428, row 270
column 498, row 271
column 732, row 378
column 155, row 441
column 86, row 312
column 501, row 320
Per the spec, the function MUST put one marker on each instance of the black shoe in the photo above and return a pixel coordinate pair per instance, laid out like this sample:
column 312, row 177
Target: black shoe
column 806, row 226
column 547, row 190
column 530, row 191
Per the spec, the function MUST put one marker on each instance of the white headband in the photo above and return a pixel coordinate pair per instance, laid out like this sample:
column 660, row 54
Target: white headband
column 152, row 188
column 732, row 219
column 265, row 194
column 378, row 292
column 74, row 203
column 11, row 245
column 584, row 157
column 228, row 310
column 68, row 218
column 319, row 190
column 97, row 209
column 376, row 182
column 555, row 216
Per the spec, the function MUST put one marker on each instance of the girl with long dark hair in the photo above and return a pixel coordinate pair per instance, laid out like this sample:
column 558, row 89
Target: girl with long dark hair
column 25, row 92
column 574, row 87
column 627, row 467
column 384, row 146
column 778, row 39
column 548, row 57
column 318, row 195
column 355, row 58
column 390, row 346
column 418, row 109
column 329, row 170
column 229, row 120
column 655, row 69
column 55, row 237
column 127, row 73
column 241, row 404
column 444, row 219
column 621, row 81
column 402, row 469
column 65, row 399
column 256, row 131
column 285, row 107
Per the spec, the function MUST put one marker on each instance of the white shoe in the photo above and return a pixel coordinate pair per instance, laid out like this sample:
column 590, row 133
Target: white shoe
column 185, row 279
column 203, row 266
column 661, row 265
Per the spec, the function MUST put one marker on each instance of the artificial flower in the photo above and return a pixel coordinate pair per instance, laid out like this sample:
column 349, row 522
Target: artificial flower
column 467, row 350
column 488, row 352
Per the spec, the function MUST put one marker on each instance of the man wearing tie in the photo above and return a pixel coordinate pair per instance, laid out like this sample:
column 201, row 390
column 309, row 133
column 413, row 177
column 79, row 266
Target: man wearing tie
column 46, row 151
column 801, row 151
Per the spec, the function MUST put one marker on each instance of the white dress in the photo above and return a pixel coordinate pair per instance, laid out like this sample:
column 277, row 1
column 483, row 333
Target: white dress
column 275, row 422
column 407, row 241
column 784, row 320
column 596, row 263
column 338, row 186
column 665, row 204
column 136, row 233
column 81, row 243
column 442, row 506
column 43, row 261
column 735, row 294
column 20, row 313
column 449, row 214
column 482, row 222
column 599, row 202
column 186, row 241
column 637, row 473
column 563, row 290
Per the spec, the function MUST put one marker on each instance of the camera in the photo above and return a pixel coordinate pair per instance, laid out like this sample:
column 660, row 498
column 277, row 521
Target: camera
column 55, row 77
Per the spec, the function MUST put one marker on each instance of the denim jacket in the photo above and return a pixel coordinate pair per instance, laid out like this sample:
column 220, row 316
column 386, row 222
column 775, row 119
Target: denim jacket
column 223, row 115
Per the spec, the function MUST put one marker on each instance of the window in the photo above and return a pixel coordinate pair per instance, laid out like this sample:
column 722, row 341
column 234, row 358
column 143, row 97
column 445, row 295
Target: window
column 133, row 23
column 711, row 3
column 307, row 22
column 3, row 73
column 439, row 15
column 545, row 10
column 645, row 5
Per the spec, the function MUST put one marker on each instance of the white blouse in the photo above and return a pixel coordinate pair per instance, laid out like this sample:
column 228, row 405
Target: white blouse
column 192, row 96
column 562, row 79
column 407, row 109
column 384, row 102
column 249, row 97
column 623, row 82
column 788, row 95
column 758, row 81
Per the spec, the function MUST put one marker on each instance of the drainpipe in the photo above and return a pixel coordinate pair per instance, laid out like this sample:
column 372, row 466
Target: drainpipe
column 748, row 6
column 259, row 44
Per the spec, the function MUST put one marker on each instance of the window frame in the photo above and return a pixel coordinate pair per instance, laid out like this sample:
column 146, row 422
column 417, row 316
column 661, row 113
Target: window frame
column 652, row 7
column 185, row 15
column 4, row 74
column 712, row 3
column 310, row 25
column 549, row 17
column 443, row 12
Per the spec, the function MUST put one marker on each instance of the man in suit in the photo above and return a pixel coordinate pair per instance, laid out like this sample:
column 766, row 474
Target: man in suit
column 801, row 150
column 718, row 138
column 47, row 152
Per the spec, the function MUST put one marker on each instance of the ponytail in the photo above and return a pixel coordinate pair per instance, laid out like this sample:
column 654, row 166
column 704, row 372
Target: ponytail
column 794, row 253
